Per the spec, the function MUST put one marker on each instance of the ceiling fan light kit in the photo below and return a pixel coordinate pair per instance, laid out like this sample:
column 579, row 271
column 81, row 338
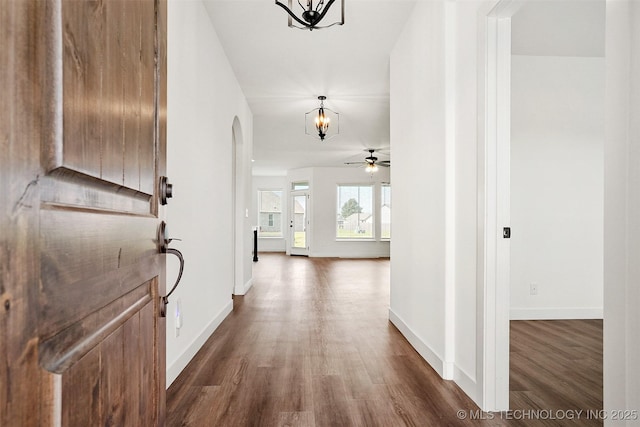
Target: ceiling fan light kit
column 371, row 162
column 322, row 122
column 371, row 168
column 311, row 15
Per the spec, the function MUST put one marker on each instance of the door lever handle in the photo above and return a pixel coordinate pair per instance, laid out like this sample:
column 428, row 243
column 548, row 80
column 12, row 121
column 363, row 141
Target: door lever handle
column 164, row 301
column 163, row 245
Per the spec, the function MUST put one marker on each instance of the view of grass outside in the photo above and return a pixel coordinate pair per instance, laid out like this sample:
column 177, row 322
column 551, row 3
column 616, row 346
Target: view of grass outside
column 300, row 239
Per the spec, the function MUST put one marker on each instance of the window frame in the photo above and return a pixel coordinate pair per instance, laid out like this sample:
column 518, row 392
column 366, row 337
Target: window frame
column 381, row 205
column 271, row 216
column 370, row 238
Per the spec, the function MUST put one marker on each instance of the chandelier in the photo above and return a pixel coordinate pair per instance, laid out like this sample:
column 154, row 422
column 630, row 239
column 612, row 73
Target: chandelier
column 322, row 122
column 311, row 15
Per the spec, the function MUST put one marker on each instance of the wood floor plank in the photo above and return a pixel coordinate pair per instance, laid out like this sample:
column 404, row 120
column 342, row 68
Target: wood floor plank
column 296, row 419
column 311, row 345
column 330, row 401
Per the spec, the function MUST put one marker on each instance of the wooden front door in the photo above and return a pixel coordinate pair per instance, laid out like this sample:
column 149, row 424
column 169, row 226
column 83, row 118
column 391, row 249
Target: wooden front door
column 82, row 139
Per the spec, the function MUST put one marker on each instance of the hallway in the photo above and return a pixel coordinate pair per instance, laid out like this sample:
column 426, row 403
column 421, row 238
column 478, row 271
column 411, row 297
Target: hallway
column 311, row 345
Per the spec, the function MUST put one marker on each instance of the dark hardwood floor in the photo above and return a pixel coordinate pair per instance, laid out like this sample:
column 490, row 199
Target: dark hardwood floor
column 311, row 345
column 557, row 365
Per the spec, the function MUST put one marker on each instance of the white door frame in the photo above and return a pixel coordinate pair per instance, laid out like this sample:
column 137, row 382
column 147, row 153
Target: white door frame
column 495, row 264
column 239, row 208
column 292, row 217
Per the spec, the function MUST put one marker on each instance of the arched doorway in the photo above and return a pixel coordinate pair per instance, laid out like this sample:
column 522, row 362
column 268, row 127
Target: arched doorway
column 239, row 217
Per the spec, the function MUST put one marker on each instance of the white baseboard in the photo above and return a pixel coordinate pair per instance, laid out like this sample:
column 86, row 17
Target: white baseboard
column 248, row 285
column 445, row 370
column 190, row 351
column 245, row 288
column 349, row 255
column 421, row 347
column 466, row 383
column 555, row 313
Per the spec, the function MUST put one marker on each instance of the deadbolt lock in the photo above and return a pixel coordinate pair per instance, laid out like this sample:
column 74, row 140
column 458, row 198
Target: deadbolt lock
column 166, row 190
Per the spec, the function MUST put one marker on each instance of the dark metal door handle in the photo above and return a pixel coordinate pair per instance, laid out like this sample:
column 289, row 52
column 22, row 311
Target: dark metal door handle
column 165, row 299
column 163, row 246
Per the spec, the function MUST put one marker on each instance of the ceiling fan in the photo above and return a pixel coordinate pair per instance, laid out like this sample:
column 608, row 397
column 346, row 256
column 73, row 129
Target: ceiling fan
column 371, row 162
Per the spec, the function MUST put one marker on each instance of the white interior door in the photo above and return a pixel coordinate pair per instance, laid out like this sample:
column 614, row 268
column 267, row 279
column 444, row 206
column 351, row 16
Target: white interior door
column 299, row 223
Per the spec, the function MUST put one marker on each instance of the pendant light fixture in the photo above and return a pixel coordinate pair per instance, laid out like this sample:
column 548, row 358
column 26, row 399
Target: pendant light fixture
column 322, row 122
column 311, row 15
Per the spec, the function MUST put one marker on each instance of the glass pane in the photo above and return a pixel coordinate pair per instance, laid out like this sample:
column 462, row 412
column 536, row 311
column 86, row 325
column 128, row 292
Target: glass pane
column 355, row 212
column 385, row 212
column 270, row 213
column 299, row 221
column 302, row 185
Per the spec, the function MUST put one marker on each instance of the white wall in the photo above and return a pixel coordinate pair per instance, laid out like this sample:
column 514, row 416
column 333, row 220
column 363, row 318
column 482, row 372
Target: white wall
column 437, row 96
column 437, row 137
column 323, row 213
column 323, row 182
column 557, row 143
column 622, row 210
column 418, row 136
column 203, row 100
column 271, row 244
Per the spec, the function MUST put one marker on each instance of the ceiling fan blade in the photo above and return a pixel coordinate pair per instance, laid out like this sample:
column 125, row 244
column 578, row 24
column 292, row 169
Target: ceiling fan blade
column 355, row 163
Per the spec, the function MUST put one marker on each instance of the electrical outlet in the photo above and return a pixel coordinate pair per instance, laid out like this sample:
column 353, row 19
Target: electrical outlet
column 533, row 289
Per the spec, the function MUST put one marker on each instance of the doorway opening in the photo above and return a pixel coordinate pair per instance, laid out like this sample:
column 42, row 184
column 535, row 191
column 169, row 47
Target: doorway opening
column 239, row 212
column 543, row 171
column 299, row 223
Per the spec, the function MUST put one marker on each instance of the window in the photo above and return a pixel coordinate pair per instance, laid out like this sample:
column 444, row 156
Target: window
column 270, row 213
column 302, row 185
column 385, row 211
column 354, row 216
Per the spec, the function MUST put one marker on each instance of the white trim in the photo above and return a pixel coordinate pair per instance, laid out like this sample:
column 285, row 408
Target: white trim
column 351, row 255
column 450, row 190
column 238, row 198
column 291, row 250
column 245, row 288
column 282, row 214
column 423, row 349
column 466, row 382
column 355, row 239
column 248, row 285
column 506, row 8
column 556, row 313
column 495, row 295
column 174, row 369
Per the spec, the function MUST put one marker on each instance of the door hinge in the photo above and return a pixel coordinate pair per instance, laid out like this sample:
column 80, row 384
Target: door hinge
column 506, row 233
